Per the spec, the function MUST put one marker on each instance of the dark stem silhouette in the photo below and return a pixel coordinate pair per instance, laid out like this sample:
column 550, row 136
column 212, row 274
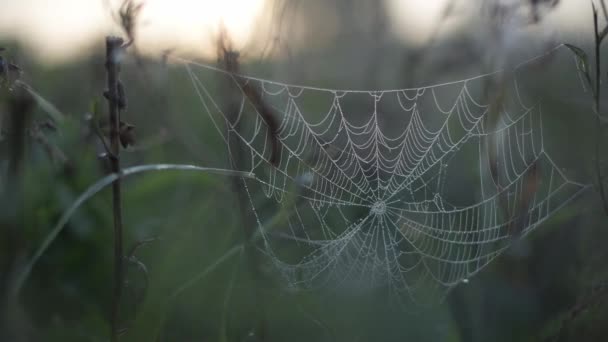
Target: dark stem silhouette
column 114, row 47
column 596, row 99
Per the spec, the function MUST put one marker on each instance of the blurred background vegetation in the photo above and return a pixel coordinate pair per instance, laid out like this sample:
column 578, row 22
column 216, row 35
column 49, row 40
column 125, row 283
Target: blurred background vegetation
column 187, row 278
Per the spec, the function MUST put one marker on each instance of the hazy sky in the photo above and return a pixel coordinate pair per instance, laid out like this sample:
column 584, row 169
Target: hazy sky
column 59, row 28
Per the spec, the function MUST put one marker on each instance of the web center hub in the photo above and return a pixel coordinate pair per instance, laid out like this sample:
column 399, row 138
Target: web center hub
column 379, row 208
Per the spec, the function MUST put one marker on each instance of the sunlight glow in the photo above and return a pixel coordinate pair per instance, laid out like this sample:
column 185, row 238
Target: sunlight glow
column 196, row 22
column 60, row 29
column 52, row 28
column 414, row 19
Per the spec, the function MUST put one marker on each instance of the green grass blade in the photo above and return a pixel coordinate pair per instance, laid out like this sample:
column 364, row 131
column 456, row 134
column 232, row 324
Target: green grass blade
column 45, row 105
column 97, row 187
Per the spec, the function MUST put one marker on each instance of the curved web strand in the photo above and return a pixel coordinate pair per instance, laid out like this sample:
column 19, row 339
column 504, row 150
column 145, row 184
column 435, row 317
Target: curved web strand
column 416, row 189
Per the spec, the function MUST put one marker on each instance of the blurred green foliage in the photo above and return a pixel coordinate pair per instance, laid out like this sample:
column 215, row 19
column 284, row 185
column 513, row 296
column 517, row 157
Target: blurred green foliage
column 195, row 282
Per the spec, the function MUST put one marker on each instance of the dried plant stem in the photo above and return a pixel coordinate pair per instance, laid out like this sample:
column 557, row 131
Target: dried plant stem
column 600, row 292
column 596, row 99
column 114, row 46
column 12, row 216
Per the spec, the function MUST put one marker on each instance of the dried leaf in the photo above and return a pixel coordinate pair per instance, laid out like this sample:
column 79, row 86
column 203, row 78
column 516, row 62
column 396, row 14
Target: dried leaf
column 581, row 62
column 126, row 134
column 582, row 59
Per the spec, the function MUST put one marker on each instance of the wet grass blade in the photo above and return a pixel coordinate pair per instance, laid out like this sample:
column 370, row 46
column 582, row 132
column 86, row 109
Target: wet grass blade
column 97, row 187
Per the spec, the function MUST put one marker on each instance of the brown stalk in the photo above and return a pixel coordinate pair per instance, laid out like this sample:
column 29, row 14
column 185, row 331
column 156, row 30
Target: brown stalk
column 114, row 47
column 231, row 63
column 601, row 291
column 230, row 60
column 256, row 99
column 596, row 105
column 20, row 106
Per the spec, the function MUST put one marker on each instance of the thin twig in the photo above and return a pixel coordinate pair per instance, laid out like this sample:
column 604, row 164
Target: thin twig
column 604, row 10
column 600, row 291
column 596, row 98
column 230, row 58
column 114, row 47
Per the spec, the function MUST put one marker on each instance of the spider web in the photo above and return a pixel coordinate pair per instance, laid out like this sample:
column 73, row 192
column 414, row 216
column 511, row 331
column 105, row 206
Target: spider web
column 367, row 187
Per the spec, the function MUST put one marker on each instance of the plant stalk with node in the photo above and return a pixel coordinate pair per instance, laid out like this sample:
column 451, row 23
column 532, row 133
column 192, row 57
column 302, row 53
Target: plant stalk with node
column 116, row 102
column 599, row 38
column 595, row 83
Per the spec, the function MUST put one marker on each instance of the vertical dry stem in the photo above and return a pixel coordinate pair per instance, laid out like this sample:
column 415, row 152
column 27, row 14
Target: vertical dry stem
column 114, row 46
column 597, row 109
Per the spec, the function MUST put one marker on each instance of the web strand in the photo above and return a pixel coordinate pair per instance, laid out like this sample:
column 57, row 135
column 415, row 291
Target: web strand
column 365, row 179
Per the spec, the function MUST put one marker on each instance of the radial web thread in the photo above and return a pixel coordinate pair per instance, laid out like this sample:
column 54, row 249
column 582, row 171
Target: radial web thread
column 369, row 187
